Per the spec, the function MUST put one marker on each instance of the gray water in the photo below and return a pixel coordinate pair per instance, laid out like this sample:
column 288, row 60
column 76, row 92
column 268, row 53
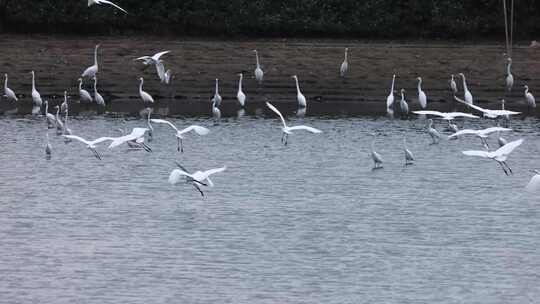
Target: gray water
column 305, row 223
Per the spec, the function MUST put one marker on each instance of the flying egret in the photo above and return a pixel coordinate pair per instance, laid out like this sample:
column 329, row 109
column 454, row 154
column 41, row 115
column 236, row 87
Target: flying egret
column 534, row 183
column 135, row 134
column 422, row 98
column 197, row 129
column 529, row 97
column 403, row 104
column 435, row 135
column 146, row 98
column 453, row 85
column 164, row 76
column 446, row 116
column 259, row 74
column 98, row 2
column 509, row 76
column 299, row 96
column 197, row 179
column 390, row 98
column 36, row 97
column 345, row 65
column 97, row 97
column 135, row 144
column 48, row 147
column 289, row 130
column 154, row 59
column 58, row 120
column 83, row 94
column 409, row 157
column 91, row 145
column 467, row 94
column 240, row 95
column 217, row 98
column 499, row 156
column 92, row 70
column 482, row 134
column 49, row 118
column 377, row 158
column 488, row 113
column 8, row 93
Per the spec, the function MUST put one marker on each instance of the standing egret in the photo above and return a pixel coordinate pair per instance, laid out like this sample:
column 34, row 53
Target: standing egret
column 36, row 97
column 58, row 120
column 240, row 95
column 216, row 112
column 8, row 93
column 146, row 98
column 154, row 59
column 534, row 183
column 435, row 135
column 83, row 94
column 197, row 129
column 299, row 96
column 67, row 130
column 488, row 113
column 48, row 147
column 64, row 105
column 259, row 74
column 509, row 76
column 422, row 98
column 91, row 145
column 92, row 2
column 97, row 97
column 403, row 104
column 49, row 118
column 289, row 130
column 377, row 158
column 345, row 65
column 92, row 70
column 197, row 179
column 217, row 98
column 390, row 98
column 499, row 156
column 467, row 94
column 409, row 157
column 453, row 85
column 531, row 102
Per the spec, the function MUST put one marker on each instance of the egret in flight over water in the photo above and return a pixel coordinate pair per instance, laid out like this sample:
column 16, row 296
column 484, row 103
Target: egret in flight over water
column 91, row 145
column 446, row 116
column 488, row 113
column 92, row 70
column 534, row 183
column 289, row 130
column 179, row 133
column 197, row 179
column 154, row 59
column 98, row 2
column 482, row 134
column 135, row 134
column 499, row 156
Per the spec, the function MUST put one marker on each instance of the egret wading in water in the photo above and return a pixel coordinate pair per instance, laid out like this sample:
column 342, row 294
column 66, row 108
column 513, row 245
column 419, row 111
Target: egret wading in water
column 48, row 147
column 302, row 103
column 409, row 157
column 217, row 98
column 58, row 120
column 453, row 85
column 91, row 145
column 390, row 98
column 377, row 158
column 97, row 97
column 435, row 135
column 179, row 133
column 534, row 183
column 259, row 74
column 509, row 76
column 8, row 93
column 85, row 97
column 49, row 118
column 98, row 2
column 422, row 98
column 531, row 101
column 91, row 71
column 240, row 96
column 145, row 97
column 499, row 156
column 403, row 103
column 67, row 130
column 467, row 94
column 345, row 65
column 197, row 179
column 36, row 97
column 289, row 130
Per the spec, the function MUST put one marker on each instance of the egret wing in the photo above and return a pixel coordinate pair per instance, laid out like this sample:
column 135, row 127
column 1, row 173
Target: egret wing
column 463, row 132
column 269, row 105
column 77, row 138
column 201, row 176
column 509, row 147
column 111, row 3
column 306, row 128
column 436, row 113
column 163, row 121
column 158, row 55
column 477, row 153
column 176, row 176
column 198, row 129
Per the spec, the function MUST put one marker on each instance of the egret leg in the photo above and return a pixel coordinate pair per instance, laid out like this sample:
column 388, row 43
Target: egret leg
column 286, row 138
column 508, row 167
column 178, row 144
column 198, row 188
column 504, row 169
column 96, row 154
column 146, row 147
column 181, row 145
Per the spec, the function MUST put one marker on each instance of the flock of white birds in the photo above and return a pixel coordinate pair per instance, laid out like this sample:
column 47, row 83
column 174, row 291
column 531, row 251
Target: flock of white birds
column 200, row 179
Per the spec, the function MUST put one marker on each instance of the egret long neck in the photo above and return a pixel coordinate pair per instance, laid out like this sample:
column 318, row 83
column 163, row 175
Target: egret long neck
column 297, row 86
column 419, row 84
column 373, row 145
column 140, row 86
column 240, row 83
column 346, row 55
column 95, row 56
column 217, row 87
column 33, row 82
column 392, row 88
column 465, row 84
column 257, row 58
column 95, row 86
column 508, row 68
column 5, row 83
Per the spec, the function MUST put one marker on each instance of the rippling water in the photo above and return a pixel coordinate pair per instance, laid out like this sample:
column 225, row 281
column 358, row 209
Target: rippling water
column 305, row 223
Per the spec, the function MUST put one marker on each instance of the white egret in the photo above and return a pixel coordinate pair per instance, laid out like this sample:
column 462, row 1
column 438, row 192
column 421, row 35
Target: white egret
column 501, row 140
column 422, row 98
column 409, row 157
column 509, row 76
column 150, row 128
column 8, row 93
column 534, row 183
column 403, row 103
column 259, row 74
column 92, row 2
column 482, row 134
column 240, row 96
column 58, row 120
column 217, row 98
column 467, row 94
column 97, row 97
column 154, row 59
column 435, row 135
column 299, row 96
column 49, row 118
column 48, row 147
column 446, row 116
column 345, row 65
column 134, row 144
column 488, row 113
column 67, row 130
column 85, row 97
column 135, row 134
column 499, row 156
column 64, row 105
column 197, row 129
column 197, row 179
column 453, row 85
column 390, row 98
column 146, row 98
column 164, row 76
column 216, row 112
column 91, row 145
column 289, row 130
column 377, row 158
column 531, row 102
column 36, row 97
column 92, row 70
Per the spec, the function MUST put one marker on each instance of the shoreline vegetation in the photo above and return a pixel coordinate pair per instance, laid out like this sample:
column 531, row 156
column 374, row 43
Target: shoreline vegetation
column 381, row 19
